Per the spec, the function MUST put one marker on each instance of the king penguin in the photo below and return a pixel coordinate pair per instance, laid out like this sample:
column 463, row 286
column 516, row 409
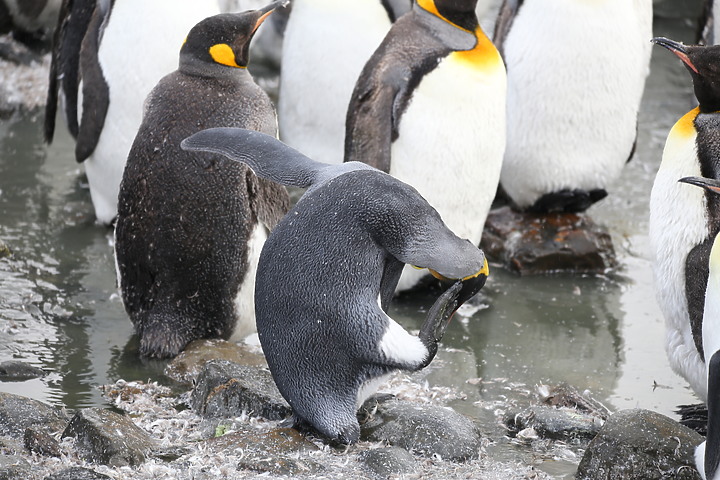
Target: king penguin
column 572, row 101
column 707, row 454
column 429, row 108
column 328, row 272
column 326, row 44
column 191, row 226
column 685, row 220
column 108, row 56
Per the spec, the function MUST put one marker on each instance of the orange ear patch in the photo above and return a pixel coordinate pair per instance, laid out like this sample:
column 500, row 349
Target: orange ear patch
column 685, row 126
column 222, row 53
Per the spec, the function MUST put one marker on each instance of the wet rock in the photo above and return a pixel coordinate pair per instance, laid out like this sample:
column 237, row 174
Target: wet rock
column 226, row 389
column 186, row 367
column 564, row 395
column 14, row 467
column 282, row 451
column 18, row 413
column 425, row 429
column 640, row 444
column 554, row 423
column 15, row 370
column 532, row 243
column 108, row 438
column 39, row 442
column 389, row 461
column 77, row 473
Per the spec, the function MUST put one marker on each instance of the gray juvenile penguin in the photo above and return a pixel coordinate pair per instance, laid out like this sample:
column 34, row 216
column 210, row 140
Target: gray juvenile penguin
column 191, row 225
column 327, row 274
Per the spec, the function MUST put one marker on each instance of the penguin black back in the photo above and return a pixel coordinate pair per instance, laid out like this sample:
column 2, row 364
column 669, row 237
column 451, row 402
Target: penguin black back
column 186, row 221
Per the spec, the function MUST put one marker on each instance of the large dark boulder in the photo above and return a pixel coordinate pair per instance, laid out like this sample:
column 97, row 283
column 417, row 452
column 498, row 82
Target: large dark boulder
column 18, row 413
column 534, row 243
column 424, row 429
column 109, row 438
column 226, row 389
column 643, row 445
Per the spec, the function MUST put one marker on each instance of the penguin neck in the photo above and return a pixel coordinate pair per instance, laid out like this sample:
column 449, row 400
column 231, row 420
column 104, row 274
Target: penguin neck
column 450, row 34
column 197, row 68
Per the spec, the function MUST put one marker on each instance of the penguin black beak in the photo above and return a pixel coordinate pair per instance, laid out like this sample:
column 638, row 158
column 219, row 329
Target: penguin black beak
column 709, row 184
column 678, row 48
column 267, row 10
column 470, row 285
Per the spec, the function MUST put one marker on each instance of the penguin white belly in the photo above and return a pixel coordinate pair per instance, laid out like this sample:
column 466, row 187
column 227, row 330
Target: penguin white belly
column 326, row 46
column 245, row 299
column 678, row 222
column 450, row 147
column 139, row 46
column 572, row 101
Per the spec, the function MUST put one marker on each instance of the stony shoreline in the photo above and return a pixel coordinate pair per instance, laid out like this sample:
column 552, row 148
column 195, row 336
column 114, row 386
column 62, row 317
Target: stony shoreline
column 232, row 425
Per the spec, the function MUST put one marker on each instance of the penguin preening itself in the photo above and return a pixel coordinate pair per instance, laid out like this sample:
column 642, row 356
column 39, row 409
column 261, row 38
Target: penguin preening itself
column 326, row 44
column 429, row 108
column 191, row 225
column 684, row 220
column 707, row 454
column 328, row 272
column 573, row 100
column 107, row 56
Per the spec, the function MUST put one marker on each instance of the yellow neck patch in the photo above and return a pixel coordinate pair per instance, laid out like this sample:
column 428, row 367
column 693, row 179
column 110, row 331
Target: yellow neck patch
column 484, row 56
column 685, row 127
column 222, row 53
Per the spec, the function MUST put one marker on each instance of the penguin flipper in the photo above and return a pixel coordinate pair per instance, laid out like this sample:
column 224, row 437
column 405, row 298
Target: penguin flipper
column 73, row 21
column 396, row 8
column 503, row 24
column 369, row 125
column 265, row 155
column 96, row 94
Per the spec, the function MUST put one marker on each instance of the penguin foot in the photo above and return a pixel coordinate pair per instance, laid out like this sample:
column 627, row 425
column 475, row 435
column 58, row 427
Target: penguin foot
column 160, row 337
column 567, row 201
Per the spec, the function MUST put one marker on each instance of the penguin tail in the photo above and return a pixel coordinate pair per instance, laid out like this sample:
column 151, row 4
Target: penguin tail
column 162, row 335
column 265, row 155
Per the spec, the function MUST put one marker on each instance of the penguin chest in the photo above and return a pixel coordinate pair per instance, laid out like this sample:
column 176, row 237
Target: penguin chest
column 451, row 140
column 327, row 43
column 572, row 101
column 678, row 222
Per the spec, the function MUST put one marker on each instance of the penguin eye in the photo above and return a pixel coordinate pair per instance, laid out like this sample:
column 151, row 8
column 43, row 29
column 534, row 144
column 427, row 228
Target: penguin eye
column 223, row 53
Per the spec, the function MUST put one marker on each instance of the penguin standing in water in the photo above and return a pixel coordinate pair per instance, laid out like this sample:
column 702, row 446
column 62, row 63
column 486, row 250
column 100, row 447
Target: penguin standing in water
column 326, row 44
column 328, row 272
column 108, row 56
column 684, row 221
column 572, row 101
column 707, row 454
column 191, row 226
column 429, row 108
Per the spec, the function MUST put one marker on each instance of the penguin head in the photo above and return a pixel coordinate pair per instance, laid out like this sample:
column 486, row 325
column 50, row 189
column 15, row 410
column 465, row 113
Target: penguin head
column 223, row 40
column 703, row 63
column 460, row 13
